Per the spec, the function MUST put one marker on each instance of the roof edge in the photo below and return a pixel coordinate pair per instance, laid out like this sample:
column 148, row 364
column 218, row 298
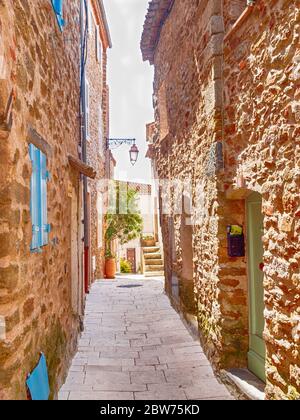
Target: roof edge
column 158, row 12
column 106, row 27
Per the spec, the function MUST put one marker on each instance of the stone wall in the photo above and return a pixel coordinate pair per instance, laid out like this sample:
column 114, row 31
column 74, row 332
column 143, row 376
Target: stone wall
column 96, row 144
column 228, row 120
column 262, row 153
column 188, row 72
column 41, row 70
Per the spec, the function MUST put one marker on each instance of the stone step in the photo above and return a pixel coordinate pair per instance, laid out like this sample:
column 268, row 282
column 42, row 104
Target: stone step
column 154, row 274
column 151, row 249
column 154, row 262
column 153, row 256
column 151, row 243
column 154, row 268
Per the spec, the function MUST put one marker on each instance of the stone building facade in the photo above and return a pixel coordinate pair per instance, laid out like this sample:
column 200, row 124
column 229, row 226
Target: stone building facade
column 226, row 98
column 41, row 191
column 98, row 42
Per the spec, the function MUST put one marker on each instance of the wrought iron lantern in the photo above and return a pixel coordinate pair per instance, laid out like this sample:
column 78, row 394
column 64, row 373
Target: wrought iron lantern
column 133, row 152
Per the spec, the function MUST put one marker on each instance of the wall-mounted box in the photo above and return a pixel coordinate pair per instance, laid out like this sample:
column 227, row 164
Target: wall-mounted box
column 235, row 241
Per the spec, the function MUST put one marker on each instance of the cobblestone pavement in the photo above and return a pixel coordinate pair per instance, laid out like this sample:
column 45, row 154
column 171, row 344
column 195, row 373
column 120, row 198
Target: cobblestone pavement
column 135, row 347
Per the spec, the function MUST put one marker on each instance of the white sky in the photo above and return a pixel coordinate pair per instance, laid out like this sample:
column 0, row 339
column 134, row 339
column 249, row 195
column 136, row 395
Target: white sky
column 130, row 81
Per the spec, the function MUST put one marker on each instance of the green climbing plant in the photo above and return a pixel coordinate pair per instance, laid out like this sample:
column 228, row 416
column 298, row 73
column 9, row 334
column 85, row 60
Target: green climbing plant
column 123, row 220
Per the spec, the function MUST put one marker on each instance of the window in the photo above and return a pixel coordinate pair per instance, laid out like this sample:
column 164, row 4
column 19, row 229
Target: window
column 98, row 45
column 38, row 202
column 58, row 10
column 87, row 109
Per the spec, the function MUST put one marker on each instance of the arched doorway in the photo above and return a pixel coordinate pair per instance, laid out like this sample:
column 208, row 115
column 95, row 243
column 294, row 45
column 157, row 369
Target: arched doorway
column 257, row 348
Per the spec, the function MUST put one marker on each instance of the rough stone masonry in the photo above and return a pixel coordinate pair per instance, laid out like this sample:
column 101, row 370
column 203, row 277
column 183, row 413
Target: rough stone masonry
column 226, row 98
column 39, row 97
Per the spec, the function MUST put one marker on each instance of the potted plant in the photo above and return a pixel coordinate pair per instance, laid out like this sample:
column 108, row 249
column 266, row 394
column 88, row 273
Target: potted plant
column 148, row 240
column 110, row 265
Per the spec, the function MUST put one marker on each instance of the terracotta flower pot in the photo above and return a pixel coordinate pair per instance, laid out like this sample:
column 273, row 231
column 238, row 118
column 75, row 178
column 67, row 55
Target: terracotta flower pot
column 110, row 268
column 148, row 242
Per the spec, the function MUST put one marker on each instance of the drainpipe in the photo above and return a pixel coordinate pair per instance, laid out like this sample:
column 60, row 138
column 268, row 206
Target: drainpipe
column 83, row 55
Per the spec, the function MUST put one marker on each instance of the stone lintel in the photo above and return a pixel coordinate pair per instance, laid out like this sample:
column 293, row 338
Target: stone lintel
column 238, row 193
column 35, row 138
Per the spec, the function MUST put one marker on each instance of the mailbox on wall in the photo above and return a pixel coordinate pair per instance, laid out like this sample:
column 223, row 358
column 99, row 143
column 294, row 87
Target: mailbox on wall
column 236, row 241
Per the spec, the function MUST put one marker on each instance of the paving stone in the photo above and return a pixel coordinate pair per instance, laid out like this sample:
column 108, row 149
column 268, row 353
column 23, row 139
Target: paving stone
column 142, row 368
column 207, row 389
column 147, row 377
column 136, row 346
column 67, row 387
column 179, row 358
column 63, row 396
column 119, row 354
column 94, row 376
column 103, row 368
column 160, row 393
column 189, row 376
column 100, row 396
column 104, row 361
column 147, row 361
column 109, row 386
column 184, row 364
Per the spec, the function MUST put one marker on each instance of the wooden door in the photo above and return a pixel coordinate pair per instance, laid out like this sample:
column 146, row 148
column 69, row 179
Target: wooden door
column 131, row 257
column 257, row 350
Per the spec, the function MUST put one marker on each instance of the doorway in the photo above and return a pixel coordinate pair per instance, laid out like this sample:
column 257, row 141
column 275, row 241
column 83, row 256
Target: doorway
column 257, row 347
column 131, row 257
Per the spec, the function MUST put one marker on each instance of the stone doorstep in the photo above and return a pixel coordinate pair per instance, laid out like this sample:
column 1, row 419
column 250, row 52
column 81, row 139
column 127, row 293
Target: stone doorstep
column 152, row 274
column 245, row 383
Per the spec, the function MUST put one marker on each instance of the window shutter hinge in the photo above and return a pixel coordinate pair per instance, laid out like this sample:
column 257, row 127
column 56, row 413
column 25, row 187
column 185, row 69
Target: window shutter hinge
column 47, row 228
column 48, row 176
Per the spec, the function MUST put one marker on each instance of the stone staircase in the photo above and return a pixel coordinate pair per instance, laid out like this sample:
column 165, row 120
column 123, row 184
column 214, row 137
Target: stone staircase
column 153, row 261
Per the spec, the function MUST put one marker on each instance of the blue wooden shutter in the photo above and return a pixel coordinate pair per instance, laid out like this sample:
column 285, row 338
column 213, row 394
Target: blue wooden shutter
column 38, row 202
column 35, row 197
column 58, row 9
column 45, row 228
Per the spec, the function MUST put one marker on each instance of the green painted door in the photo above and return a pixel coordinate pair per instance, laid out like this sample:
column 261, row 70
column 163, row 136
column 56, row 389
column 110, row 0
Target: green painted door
column 257, row 349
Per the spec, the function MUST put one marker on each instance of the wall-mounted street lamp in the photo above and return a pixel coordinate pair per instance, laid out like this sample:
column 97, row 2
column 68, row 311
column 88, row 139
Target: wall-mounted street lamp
column 133, row 152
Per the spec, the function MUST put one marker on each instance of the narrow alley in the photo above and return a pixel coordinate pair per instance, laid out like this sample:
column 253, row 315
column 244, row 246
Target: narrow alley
column 135, row 347
column 149, row 201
